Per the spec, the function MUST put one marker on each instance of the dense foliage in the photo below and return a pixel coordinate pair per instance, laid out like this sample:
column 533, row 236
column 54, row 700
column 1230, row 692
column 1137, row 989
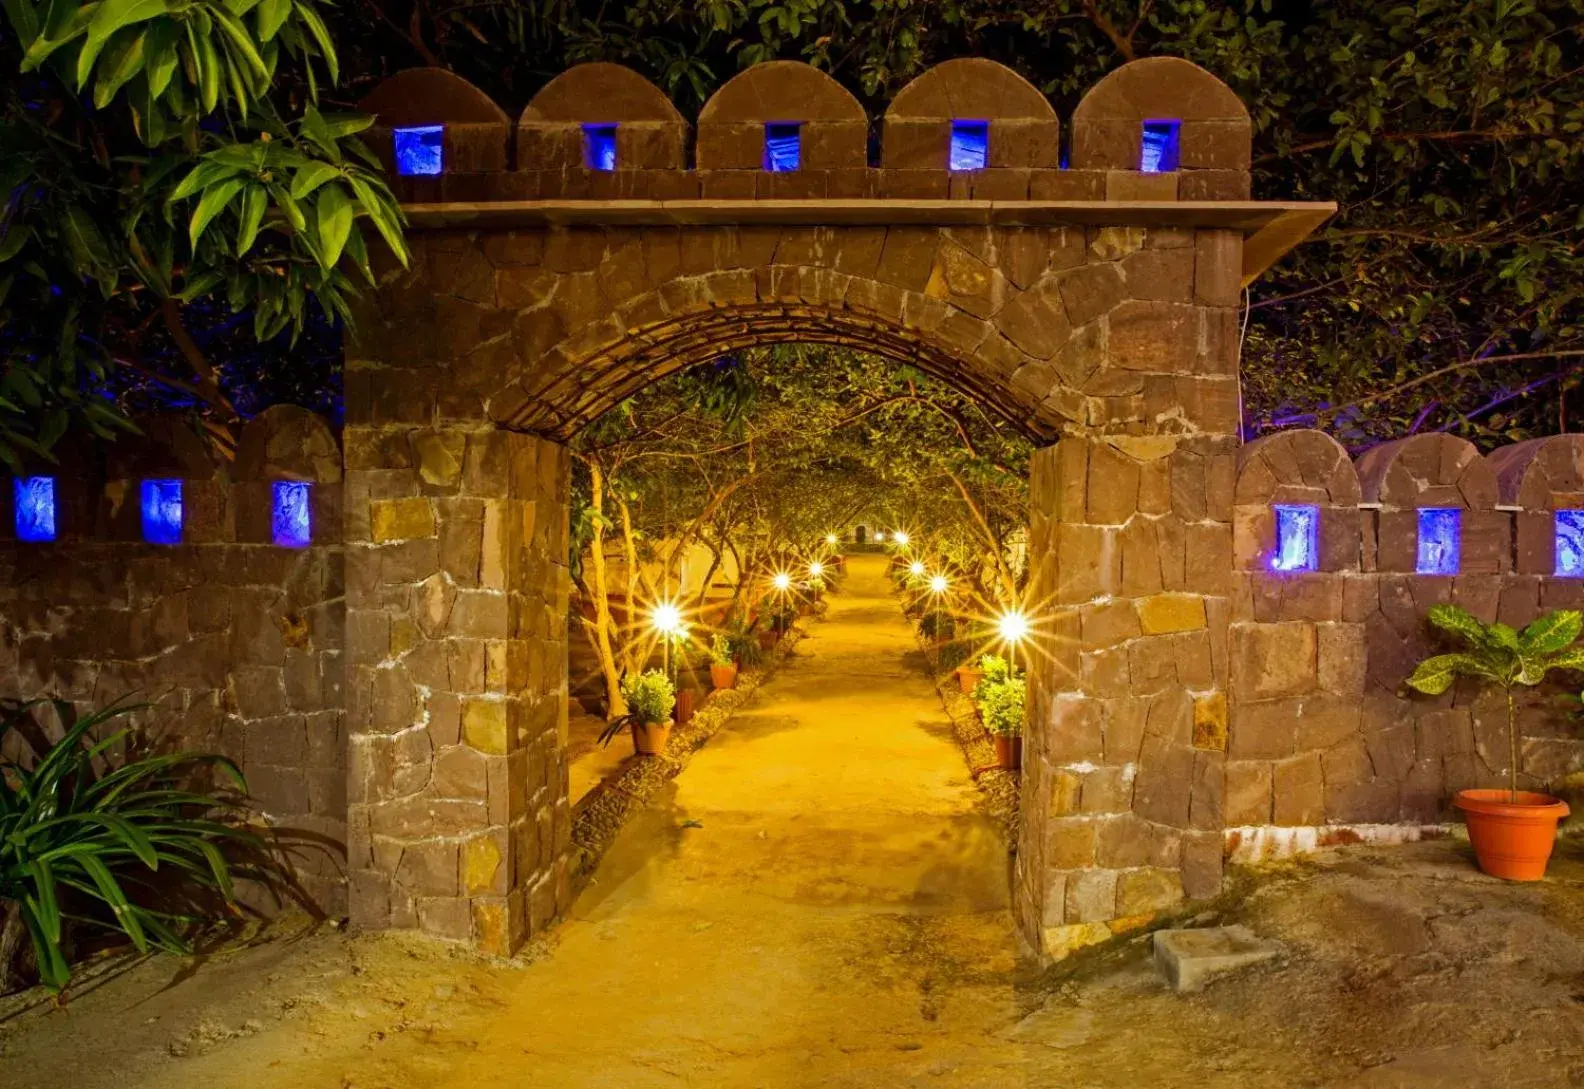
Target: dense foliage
column 88, row 839
column 165, row 168
column 1446, row 293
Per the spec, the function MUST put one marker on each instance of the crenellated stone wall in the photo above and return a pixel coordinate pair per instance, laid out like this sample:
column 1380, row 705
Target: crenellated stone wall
column 234, row 641
column 1325, row 743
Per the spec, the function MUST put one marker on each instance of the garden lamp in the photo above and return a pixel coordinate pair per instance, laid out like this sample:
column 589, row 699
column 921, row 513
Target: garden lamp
column 916, row 569
column 900, row 537
column 937, row 584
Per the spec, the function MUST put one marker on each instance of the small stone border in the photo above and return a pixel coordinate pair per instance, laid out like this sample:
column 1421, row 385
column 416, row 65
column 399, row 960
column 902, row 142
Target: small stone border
column 601, row 814
column 1001, row 789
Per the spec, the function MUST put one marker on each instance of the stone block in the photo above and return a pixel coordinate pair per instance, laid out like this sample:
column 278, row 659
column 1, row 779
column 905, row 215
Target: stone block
column 1190, row 959
column 1161, row 614
column 1143, row 892
column 400, row 519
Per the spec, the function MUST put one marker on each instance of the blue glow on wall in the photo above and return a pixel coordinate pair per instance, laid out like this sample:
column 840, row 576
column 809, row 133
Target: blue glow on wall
column 162, row 512
column 1440, row 541
column 970, row 145
column 1297, row 538
column 783, row 145
column 1159, row 147
column 1570, row 543
column 35, row 508
column 420, row 151
column 599, row 147
column 290, row 522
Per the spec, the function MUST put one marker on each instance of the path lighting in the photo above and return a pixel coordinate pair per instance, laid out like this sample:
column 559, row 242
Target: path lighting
column 937, row 584
column 666, row 618
column 900, row 537
column 816, row 569
column 916, row 569
column 830, row 539
column 879, row 536
column 1014, row 628
column 782, row 581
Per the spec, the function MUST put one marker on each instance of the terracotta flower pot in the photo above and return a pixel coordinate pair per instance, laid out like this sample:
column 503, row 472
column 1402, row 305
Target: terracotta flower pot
column 686, row 704
column 1009, row 751
column 968, row 678
column 723, row 676
column 651, row 740
column 1512, row 838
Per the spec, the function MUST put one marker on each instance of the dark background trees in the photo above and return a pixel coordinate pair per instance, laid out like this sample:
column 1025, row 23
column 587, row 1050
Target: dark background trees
column 1445, row 295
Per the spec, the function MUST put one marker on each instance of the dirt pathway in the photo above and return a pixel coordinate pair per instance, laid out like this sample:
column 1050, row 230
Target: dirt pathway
column 817, row 902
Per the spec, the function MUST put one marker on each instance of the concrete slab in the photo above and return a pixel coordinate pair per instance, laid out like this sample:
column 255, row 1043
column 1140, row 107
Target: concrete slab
column 1189, row 959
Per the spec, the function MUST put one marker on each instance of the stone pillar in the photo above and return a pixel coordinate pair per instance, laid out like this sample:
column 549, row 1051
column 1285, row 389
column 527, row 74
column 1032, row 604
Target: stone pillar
column 456, row 688
column 1131, row 544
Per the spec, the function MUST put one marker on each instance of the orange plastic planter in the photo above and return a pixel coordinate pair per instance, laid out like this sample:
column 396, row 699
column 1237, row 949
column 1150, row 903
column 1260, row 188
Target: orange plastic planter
column 651, row 740
column 723, row 676
column 1512, row 838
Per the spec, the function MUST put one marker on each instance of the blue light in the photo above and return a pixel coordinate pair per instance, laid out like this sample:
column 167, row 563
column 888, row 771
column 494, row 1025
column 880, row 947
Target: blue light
column 420, row 152
column 1570, row 543
column 783, row 145
column 970, row 145
column 1159, row 154
column 1297, row 539
column 290, row 521
column 35, row 508
column 162, row 512
column 1440, row 541
column 599, row 147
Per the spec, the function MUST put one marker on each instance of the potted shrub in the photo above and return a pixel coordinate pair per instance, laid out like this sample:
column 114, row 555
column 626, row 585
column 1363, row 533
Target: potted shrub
column 650, row 697
column 1512, row 830
column 935, row 626
column 723, row 662
column 1001, row 709
column 969, row 674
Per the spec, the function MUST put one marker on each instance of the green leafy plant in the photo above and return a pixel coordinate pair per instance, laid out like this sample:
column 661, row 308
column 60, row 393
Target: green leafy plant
column 722, row 650
column 1502, row 656
column 650, row 697
column 88, row 839
column 993, row 670
column 1001, row 704
column 935, row 625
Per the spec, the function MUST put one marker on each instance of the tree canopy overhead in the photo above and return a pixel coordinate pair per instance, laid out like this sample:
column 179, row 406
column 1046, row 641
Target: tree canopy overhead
column 1445, row 295
column 1446, row 292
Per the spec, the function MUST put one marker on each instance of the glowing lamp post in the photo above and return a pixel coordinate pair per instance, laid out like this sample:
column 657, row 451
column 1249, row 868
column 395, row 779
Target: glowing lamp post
column 916, row 569
column 901, row 538
column 666, row 619
column 937, row 589
column 937, row 585
column 1014, row 628
column 816, row 572
column 830, row 539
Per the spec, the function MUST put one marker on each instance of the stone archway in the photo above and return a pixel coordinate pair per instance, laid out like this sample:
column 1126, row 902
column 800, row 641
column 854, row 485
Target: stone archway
column 1094, row 305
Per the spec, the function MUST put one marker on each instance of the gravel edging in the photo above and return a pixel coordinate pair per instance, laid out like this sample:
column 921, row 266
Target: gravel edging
column 1000, row 788
column 602, row 813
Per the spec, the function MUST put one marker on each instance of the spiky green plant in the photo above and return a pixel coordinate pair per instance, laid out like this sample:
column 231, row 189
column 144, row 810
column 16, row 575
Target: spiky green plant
column 83, row 835
column 1501, row 655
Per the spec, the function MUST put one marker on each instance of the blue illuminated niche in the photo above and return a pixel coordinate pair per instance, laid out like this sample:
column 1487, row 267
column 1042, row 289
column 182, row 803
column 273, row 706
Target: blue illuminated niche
column 35, row 508
column 1159, row 154
column 1570, row 543
column 162, row 512
column 1297, row 538
column 1440, row 541
column 599, row 147
column 970, row 145
column 290, row 522
column 783, row 145
column 420, row 151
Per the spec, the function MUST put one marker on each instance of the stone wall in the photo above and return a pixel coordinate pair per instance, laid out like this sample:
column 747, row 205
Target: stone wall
column 1324, row 741
column 235, row 641
column 457, row 589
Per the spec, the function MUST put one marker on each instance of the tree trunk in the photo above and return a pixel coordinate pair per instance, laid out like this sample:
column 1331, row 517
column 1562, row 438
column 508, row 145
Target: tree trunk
column 600, row 628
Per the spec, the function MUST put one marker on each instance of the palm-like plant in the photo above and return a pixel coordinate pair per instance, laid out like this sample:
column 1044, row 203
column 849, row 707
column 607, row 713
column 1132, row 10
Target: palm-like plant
column 1504, row 656
column 81, row 832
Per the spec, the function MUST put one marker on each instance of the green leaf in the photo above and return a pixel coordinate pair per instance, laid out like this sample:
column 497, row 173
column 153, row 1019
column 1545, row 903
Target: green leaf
column 214, row 201
column 312, row 177
column 1435, row 675
column 321, row 35
column 271, row 15
column 162, row 59
column 111, row 16
column 13, row 240
column 124, row 61
column 1552, row 632
column 1458, row 621
column 254, row 202
column 334, row 223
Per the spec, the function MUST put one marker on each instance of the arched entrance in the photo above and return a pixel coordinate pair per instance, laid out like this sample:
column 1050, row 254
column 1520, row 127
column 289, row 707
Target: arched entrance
column 1094, row 305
